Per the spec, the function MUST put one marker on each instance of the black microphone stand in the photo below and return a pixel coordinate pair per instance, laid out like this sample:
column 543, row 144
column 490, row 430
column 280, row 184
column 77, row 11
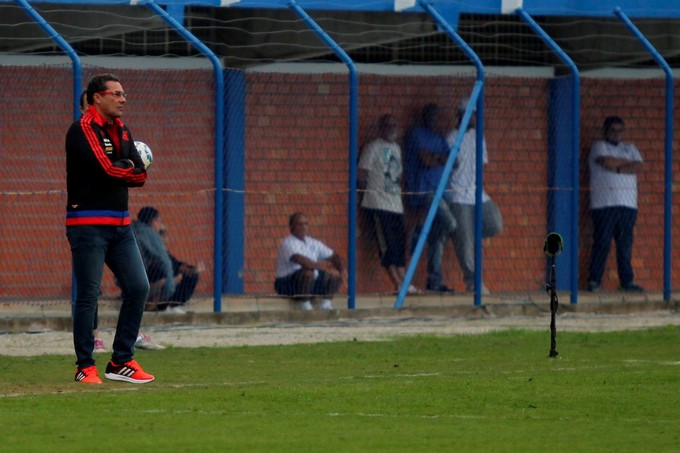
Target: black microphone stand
column 551, row 286
column 552, row 247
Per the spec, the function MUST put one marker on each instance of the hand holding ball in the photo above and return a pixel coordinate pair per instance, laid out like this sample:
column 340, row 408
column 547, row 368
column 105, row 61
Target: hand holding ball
column 145, row 153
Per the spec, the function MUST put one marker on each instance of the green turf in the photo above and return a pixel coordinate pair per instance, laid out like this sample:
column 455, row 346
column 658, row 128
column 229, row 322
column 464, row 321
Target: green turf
column 615, row 392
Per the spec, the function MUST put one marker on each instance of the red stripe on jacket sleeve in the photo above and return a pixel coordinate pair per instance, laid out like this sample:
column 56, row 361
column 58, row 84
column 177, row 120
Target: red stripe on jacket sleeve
column 99, row 153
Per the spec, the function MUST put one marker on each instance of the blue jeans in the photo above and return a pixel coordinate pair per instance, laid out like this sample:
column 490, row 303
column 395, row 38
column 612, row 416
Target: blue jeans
column 443, row 225
column 613, row 223
column 464, row 239
column 92, row 246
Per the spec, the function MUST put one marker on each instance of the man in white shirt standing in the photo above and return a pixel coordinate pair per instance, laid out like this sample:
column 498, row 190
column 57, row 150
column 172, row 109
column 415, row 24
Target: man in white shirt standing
column 379, row 175
column 461, row 198
column 306, row 267
column 613, row 202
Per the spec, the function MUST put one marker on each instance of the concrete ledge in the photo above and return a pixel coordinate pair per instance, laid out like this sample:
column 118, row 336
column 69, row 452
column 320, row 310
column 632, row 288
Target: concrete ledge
column 264, row 311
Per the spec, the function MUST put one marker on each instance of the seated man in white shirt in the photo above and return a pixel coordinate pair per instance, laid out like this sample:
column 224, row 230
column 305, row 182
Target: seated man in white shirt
column 306, row 267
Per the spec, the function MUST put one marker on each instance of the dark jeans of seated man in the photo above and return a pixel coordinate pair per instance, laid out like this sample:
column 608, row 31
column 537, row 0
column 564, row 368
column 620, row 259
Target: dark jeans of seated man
column 301, row 284
column 183, row 291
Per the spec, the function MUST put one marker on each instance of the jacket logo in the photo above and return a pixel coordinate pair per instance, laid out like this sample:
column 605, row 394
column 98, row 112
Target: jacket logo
column 126, row 137
column 108, row 147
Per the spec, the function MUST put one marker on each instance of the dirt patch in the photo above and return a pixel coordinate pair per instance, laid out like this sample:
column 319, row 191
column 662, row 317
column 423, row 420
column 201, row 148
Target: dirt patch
column 367, row 329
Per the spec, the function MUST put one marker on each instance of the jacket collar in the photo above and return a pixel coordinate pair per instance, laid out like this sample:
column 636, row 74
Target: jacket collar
column 100, row 120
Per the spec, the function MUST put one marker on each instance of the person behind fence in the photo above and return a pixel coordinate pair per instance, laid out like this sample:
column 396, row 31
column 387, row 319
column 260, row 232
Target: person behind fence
column 102, row 163
column 379, row 174
column 426, row 153
column 614, row 166
column 461, row 198
column 306, row 267
column 172, row 281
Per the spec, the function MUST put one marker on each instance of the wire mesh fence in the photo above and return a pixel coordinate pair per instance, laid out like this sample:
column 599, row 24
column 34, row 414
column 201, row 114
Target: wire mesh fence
column 296, row 158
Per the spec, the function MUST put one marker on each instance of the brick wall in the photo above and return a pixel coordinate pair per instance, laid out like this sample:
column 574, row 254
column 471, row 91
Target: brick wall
column 297, row 159
column 296, row 129
column 169, row 110
column 641, row 103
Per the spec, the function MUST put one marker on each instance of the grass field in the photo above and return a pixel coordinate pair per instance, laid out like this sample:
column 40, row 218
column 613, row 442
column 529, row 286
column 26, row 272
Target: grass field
column 615, row 392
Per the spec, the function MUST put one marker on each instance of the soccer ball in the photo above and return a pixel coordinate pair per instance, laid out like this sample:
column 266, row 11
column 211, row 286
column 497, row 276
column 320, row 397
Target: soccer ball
column 145, row 153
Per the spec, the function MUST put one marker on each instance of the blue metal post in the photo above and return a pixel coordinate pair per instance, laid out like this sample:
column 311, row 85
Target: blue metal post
column 559, row 175
column 77, row 82
column 477, row 98
column 668, row 147
column 233, row 250
column 576, row 133
column 219, row 145
column 353, row 151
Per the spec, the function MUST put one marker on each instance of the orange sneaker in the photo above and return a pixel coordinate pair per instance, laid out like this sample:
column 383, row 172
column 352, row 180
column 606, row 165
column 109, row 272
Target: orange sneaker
column 88, row 375
column 127, row 372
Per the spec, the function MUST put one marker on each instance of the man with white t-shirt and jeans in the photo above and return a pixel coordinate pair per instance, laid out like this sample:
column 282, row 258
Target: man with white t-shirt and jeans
column 379, row 175
column 461, row 198
column 306, row 267
column 613, row 203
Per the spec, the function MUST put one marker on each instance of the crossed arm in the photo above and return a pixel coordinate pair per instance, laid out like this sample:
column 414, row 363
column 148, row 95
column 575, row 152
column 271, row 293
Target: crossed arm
column 618, row 165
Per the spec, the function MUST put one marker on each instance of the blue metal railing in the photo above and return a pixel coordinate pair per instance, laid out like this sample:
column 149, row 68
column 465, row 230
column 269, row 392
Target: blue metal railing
column 77, row 81
column 66, row 47
column 576, row 133
column 353, row 151
column 668, row 147
column 476, row 99
column 219, row 144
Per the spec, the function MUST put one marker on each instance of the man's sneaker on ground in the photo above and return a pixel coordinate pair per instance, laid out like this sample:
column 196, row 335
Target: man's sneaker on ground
column 593, row 287
column 99, row 345
column 176, row 309
column 632, row 288
column 88, row 375
column 412, row 290
column 305, row 306
column 326, row 304
column 127, row 372
column 145, row 342
column 485, row 290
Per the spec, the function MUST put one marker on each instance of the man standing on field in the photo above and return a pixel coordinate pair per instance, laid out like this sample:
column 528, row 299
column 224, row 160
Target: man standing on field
column 101, row 163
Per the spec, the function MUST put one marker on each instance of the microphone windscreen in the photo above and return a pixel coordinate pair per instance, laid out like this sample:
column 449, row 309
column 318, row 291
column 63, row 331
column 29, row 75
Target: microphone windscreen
column 553, row 244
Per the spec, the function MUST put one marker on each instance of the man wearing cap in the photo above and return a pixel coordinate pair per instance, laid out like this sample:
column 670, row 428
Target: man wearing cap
column 461, row 198
column 172, row 281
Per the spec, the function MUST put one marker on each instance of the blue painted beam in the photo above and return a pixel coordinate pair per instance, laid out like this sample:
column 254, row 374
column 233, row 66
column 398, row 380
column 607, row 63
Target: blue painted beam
column 447, row 8
column 602, row 8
